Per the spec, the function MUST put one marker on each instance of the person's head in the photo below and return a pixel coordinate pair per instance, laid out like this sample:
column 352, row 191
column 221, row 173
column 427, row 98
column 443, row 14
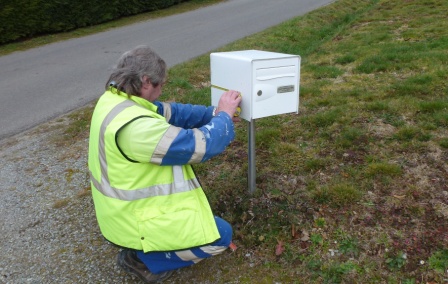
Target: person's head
column 137, row 70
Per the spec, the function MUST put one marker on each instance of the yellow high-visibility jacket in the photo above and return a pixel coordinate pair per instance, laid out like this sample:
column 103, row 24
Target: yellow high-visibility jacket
column 143, row 206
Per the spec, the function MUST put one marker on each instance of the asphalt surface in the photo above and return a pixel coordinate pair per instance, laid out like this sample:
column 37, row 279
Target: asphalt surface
column 45, row 82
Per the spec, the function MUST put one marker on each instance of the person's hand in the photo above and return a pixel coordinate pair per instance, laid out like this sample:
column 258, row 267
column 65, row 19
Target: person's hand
column 228, row 102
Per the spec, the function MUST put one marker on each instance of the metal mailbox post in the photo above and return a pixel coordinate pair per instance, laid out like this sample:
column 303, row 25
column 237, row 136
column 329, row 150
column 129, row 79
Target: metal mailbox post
column 268, row 82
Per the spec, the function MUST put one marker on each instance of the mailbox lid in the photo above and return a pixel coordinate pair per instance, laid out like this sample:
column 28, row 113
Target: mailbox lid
column 251, row 55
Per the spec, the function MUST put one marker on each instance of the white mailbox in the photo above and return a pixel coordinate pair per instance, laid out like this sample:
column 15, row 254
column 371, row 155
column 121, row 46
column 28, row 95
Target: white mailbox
column 268, row 81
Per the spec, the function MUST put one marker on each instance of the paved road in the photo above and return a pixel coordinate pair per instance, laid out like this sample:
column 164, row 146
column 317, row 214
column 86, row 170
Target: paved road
column 42, row 83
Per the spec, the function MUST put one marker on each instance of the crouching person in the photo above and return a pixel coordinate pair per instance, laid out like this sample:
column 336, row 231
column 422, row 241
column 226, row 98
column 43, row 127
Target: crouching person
column 147, row 198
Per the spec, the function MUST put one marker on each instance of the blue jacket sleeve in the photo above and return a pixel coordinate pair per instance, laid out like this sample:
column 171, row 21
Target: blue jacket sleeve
column 186, row 115
column 218, row 134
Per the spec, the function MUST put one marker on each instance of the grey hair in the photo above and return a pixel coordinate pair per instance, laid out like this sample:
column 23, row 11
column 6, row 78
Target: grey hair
column 141, row 61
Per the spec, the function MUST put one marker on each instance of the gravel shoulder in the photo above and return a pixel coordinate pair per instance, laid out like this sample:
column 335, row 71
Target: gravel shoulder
column 48, row 225
column 49, row 231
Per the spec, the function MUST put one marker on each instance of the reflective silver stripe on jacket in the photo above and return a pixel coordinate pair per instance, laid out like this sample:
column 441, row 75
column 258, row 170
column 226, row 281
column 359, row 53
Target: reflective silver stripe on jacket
column 168, row 137
column 179, row 184
column 200, row 147
column 167, row 111
column 156, row 190
column 164, row 144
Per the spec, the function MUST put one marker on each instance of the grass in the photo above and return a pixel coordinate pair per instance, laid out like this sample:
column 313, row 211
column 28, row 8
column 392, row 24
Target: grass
column 354, row 187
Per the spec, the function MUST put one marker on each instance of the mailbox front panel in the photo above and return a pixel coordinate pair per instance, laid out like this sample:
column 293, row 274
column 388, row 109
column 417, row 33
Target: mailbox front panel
column 275, row 87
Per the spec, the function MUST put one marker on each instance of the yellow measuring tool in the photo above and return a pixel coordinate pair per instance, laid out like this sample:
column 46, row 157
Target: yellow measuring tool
column 238, row 109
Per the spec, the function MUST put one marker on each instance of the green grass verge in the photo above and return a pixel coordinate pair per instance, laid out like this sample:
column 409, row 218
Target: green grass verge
column 366, row 156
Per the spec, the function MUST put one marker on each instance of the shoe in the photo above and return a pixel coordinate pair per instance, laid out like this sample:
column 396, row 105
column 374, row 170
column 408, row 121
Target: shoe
column 129, row 261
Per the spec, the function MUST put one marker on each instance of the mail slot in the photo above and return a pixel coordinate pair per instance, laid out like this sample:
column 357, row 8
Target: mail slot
column 268, row 81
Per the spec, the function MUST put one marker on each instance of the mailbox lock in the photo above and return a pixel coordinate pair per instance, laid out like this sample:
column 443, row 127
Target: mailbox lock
column 259, row 93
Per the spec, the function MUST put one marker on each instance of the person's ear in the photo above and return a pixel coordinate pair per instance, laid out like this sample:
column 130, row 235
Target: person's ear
column 145, row 82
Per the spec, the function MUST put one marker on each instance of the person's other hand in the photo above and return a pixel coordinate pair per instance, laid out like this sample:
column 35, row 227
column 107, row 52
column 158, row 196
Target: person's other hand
column 228, row 102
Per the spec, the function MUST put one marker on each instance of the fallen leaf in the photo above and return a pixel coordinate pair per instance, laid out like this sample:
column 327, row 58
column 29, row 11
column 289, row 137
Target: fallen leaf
column 304, row 245
column 279, row 248
column 232, row 246
column 400, row 196
column 305, row 236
